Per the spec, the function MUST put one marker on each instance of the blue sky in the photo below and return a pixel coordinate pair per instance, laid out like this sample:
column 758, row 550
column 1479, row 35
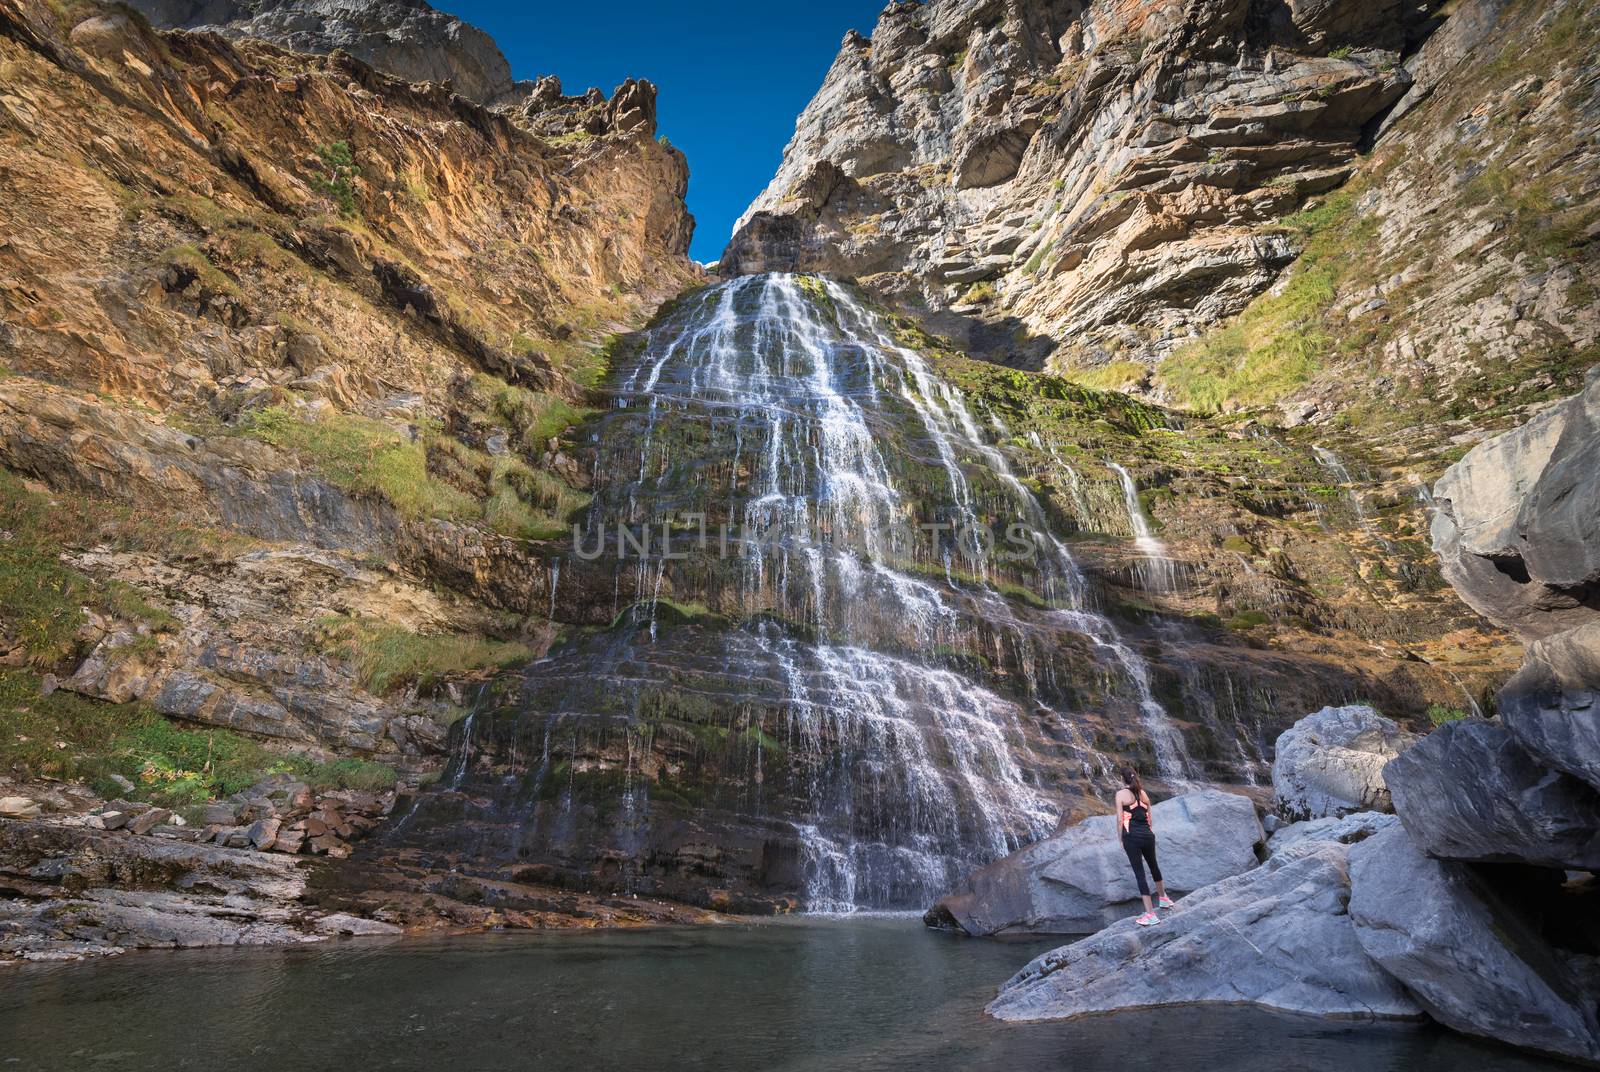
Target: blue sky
column 733, row 76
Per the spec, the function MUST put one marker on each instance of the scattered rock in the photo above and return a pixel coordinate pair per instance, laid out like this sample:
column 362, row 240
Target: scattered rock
column 1277, row 936
column 1078, row 879
column 1331, row 763
column 263, row 833
column 1471, row 961
column 19, row 808
column 148, row 820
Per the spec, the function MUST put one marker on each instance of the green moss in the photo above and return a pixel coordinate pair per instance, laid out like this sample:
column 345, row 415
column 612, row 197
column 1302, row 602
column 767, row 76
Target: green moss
column 363, row 456
column 389, row 657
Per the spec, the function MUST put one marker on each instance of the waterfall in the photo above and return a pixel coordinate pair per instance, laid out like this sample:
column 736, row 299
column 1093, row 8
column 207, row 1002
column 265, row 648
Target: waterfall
column 849, row 621
column 1341, row 475
column 1159, row 572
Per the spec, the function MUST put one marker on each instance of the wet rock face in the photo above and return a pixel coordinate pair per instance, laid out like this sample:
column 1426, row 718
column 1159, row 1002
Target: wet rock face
column 1277, row 936
column 1331, row 763
column 1474, row 962
column 1094, row 167
column 1078, row 880
column 407, row 38
column 1518, row 526
column 1470, row 791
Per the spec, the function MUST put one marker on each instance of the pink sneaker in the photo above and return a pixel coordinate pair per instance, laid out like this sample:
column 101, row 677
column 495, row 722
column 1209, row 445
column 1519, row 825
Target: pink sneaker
column 1149, row 919
column 1165, row 902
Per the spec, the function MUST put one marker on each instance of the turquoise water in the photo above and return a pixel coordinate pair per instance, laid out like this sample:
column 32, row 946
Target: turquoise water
column 873, row 993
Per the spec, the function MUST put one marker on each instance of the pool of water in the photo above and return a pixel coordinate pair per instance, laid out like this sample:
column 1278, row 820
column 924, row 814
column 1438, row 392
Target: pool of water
column 860, row 993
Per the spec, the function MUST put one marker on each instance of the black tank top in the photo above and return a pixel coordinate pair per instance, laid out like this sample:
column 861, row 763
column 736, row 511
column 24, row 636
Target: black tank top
column 1138, row 814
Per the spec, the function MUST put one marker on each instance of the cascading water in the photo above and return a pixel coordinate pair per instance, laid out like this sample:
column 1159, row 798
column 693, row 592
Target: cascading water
column 1158, row 573
column 843, row 626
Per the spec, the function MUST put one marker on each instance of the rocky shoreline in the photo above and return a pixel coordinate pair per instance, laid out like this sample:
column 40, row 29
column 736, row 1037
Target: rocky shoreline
column 83, row 878
column 1474, row 902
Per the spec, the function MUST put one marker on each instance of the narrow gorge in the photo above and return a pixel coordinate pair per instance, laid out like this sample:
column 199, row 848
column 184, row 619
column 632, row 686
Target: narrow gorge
column 403, row 540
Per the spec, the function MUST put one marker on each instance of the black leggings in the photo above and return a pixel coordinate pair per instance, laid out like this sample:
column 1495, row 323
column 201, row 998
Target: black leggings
column 1141, row 842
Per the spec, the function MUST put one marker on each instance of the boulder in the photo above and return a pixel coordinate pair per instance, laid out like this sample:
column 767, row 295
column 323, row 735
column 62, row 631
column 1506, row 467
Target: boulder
column 1517, row 528
column 221, row 813
column 1345, row 829
column 147, row 821
column 1077, row 880
column 1470, row 960
column 19, row 808
column 1469, row 791
column 1277, row 936
column 1331, row 762
column 263, row 833
column 1552, row 705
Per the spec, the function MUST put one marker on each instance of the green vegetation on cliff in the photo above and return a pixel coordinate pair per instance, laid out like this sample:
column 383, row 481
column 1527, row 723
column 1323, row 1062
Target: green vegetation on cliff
column 389, row 657
column 1284, row 337
column 63, row 735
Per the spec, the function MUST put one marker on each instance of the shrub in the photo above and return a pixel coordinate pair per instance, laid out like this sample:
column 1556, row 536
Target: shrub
column 979, row 293
column 1439, row 714
column 337, row 184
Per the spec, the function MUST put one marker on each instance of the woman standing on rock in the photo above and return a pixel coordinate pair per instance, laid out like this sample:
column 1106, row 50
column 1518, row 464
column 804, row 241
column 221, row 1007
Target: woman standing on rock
column 1139, row 842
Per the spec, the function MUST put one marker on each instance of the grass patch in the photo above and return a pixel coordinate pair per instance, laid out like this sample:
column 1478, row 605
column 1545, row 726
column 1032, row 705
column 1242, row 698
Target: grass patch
column 71, row 737
column 1112, row 376
column 41, row 597
column 190, row 258
column 337, row 183
column 366, row 457
column 389, row 658
column 1281, row 339
column 535, row 417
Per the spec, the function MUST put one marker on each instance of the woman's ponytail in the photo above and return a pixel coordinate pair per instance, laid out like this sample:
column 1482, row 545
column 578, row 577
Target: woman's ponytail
column 1130, row 779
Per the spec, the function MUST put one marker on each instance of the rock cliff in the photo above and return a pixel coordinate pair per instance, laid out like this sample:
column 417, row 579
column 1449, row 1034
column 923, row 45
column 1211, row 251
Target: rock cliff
column 291, row 346
column 1223, row 204
column 406, row 38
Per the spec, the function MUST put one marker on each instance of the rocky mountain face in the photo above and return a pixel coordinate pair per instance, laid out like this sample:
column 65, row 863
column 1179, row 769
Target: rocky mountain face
column 292, row 350
column 406, row 38
column 1220, row 204
column 309, row 368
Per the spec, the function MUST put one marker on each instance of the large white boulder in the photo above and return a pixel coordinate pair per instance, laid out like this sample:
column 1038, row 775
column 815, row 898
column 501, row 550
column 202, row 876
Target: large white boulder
column 1474, row 962
column 1277, row 936
column 1331, row 763
column 1078, row 879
